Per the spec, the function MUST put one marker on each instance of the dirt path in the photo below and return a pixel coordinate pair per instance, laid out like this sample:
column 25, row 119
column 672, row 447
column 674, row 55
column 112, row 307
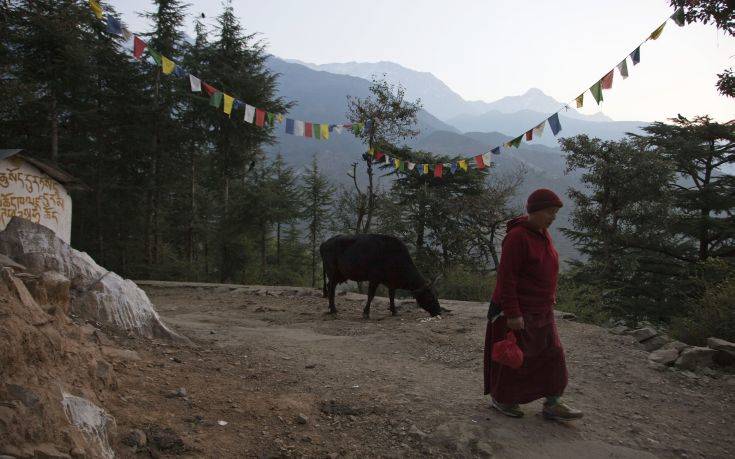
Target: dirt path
column 392, row 386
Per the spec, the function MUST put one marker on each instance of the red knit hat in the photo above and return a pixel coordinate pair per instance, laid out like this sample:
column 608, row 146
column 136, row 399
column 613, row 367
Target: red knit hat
column 541, row 199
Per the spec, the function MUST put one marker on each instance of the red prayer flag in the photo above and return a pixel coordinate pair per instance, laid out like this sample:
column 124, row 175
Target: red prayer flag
column 529, row 134
column 259, row 117
column 438, row 168
column 210, row 90
column 378, row 155
column 138, row 47
column 479, row 161
column 607, row 80
column 308, row 130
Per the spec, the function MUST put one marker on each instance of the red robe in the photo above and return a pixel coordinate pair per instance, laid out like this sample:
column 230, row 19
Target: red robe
column 526, row 286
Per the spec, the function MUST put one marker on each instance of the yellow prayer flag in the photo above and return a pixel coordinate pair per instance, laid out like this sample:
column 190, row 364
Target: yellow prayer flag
column 325, row 131
column 228, row 104
column 463, row 164
column 371, row 151
column 426, row 168
column 168, row 65
column 95, row 5
column 397, row 162
column 657, row 33
column 279, row 118
column 580, row 100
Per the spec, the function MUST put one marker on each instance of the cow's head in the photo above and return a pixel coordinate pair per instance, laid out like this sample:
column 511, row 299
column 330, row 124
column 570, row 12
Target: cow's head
column 426, row 298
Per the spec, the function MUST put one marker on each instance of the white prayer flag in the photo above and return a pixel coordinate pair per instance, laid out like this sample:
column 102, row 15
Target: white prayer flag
column 298, row 128
column 249, row 113
column 196, row 84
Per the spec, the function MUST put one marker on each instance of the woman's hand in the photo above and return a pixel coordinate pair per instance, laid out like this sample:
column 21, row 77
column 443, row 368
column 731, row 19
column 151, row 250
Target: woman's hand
column 515, row 323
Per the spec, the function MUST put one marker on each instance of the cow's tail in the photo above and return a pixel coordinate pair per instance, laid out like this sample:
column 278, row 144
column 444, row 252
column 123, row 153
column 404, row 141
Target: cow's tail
column 324, row 280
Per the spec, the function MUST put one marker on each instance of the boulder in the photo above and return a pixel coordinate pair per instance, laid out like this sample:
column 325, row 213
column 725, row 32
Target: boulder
column 31, row 312
column 664, row 356
column 57, row 288
column 643, row 334
column 655, row 343
column 619, row 330
column 95, row 293
column 721, row 345
column 695, row 357
column 7, row 262
column 678, row 345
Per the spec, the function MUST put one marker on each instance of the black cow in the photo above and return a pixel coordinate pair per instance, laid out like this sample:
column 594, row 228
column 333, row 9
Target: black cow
column 377, row 259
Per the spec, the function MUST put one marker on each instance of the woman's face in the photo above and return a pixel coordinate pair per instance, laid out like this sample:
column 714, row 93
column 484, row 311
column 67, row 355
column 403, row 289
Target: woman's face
column 543, row 218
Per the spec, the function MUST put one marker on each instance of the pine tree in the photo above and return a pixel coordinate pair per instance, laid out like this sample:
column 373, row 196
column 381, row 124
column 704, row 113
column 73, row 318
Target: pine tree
column 317, row 194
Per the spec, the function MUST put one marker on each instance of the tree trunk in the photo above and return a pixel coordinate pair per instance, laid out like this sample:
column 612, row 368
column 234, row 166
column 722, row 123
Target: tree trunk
column 192, row 215
column 278, row 244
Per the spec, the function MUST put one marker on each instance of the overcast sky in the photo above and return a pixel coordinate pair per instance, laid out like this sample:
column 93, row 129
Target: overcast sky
column 484, row 50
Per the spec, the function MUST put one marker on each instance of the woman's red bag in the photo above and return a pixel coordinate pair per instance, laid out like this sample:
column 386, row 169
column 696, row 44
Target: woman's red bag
column 507, row 352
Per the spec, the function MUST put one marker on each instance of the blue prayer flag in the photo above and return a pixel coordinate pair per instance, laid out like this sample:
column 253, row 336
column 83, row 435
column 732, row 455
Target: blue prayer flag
column 453, row 167
column 635, row 56
column 554, row 123
column 113, row 25
column 495, row 151
column 289, row 126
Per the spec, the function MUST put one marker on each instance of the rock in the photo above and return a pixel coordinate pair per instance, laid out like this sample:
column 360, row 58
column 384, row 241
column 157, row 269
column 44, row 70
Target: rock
column 47, row 451
column 695, row 357
column 164, row 439
column 78, row 453
column 56, row 286
column 724, row 358
column 664, row 356
column 416, row 433
column 564, row 315
column 7, row 262
column 95, row 293
column 302, row 419
column 721, row 345
column 678, row 345
column 180, row 392
column 32, row 312
column 655, row 343
column 115, row 353
column 106, row 374
column 26, row 396
column 619, row 330
column 136, row 438
column 643, row 334
column 89, row 418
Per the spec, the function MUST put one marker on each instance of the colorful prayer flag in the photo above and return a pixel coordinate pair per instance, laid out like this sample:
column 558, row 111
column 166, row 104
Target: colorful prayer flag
column 138, row 47
column 529, row 135
column 479, row 162
column 316, row 130
column 307, row 130
column 425, row 168
column 596, row 90
column 635, row 56
column 325, row 131
column 397, row 163
column 678, row 17
column 113, row 25
column 127, row 35
column 438, row 169
column 495, row 151
column 167, row 65
column 554, row 124
column 538, row 131
column 259, row 117
column 208, row 88
column 249, row 113
column 387, row 159
column 196, row 83
column 487, row 159
column 271, row 119
column 289, row 126
column 463, row 164
column 299, row 128
column 515, row 143
column 411, row 166
column 95, row 6
column 357, row 128
column 216, row 99
column 280, row 117
column 378, row 155
column 155, row 55
column 228, row 104
column 453, row 167
column 657, row 33
column 607, row 80
column 623, row 68
column 580, row 100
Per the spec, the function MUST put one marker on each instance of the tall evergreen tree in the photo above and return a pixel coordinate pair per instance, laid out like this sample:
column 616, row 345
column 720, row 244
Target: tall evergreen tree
column 317, row 194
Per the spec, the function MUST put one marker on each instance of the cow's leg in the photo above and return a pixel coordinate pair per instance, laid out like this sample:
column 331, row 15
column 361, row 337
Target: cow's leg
column 392, row 298
column 372, row 287
column 332, row 287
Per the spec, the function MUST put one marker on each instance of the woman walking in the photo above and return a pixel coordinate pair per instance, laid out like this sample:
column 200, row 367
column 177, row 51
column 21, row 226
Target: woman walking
column 523, row 301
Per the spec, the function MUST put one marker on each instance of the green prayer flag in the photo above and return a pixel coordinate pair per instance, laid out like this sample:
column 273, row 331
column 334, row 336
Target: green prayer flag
column 657, row 33
column 678, row 17
column 316, row 130
column 580, row 100
column 154, row 54
column 596, row 90
column 216, row 99
column 515, row 143
column 357, row 128
column 271, row 119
